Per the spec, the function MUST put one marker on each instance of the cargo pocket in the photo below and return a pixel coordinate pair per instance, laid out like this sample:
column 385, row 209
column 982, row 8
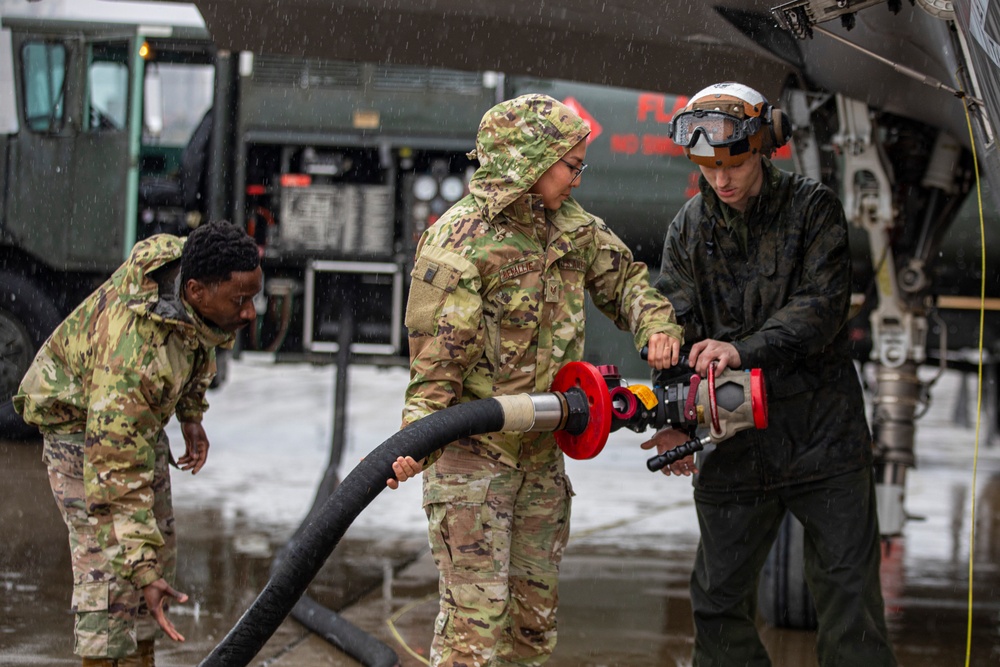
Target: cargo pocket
column 430, row 285
column 90, row 603
column 454, row 505
column 100, row 630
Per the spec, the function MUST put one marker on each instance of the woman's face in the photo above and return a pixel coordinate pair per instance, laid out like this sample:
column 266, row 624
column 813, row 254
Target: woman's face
column 557, row 183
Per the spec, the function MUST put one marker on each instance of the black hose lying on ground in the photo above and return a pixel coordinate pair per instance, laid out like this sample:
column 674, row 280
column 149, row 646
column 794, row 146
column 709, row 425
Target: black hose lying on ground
column 325, row 622
column 306, row 555
column 349, row 638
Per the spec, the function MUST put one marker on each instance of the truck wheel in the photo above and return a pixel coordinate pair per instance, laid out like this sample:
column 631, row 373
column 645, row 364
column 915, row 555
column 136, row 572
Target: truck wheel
column 27, row 317
column 783, row 597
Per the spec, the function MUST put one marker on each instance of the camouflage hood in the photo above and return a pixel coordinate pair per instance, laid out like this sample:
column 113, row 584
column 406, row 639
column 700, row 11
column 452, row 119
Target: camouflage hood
column 518, row 141
column 140, row 293
column 136, row 289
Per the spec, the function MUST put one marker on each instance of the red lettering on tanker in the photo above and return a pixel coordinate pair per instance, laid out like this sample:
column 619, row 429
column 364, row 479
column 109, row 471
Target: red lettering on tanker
column 647, row 144
column 656, row 104
column 625, row 143
column 579, row 110
column 655, row 144
column 692, row 185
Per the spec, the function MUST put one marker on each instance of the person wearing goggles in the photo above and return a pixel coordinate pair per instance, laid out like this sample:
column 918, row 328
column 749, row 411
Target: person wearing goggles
column 758, row 267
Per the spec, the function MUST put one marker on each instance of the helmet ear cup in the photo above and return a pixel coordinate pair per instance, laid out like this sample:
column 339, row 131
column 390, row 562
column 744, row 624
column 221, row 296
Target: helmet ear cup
column 781, row 127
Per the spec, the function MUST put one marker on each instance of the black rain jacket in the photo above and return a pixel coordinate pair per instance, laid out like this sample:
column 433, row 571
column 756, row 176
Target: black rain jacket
column 783, row 303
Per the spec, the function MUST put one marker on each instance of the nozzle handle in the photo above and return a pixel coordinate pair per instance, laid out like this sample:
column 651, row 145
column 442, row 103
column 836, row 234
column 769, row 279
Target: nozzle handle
column 676, row 454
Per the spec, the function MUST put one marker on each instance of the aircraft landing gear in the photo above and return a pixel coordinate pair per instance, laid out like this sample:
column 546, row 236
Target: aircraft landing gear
column 904, row 215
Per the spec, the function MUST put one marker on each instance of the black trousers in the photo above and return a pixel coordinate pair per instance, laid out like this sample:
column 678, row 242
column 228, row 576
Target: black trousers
column 842, row 556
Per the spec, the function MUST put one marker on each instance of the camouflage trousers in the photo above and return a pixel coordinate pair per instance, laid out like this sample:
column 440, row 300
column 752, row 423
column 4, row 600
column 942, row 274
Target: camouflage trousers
column 497, row 535
column 111, row 614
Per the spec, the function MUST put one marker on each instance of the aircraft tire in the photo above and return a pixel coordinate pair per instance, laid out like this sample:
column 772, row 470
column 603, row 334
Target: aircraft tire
column 783, row 597
column 27, row 317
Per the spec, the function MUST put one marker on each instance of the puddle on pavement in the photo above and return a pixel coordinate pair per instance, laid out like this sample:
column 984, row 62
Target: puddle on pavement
column 619, row 607
column 224, row 565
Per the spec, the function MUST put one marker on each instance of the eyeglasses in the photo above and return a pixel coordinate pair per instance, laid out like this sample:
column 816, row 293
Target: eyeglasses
column 719, row 129
column 577, row 170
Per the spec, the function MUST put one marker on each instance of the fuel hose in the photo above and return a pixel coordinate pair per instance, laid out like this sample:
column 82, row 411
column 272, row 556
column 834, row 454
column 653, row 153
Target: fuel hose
column 306, row 555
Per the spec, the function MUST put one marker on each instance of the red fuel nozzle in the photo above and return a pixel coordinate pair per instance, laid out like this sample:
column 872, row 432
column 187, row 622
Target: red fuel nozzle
column 725, row 404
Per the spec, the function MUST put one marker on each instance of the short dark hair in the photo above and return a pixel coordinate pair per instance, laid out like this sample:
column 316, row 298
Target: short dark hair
column 215, row 250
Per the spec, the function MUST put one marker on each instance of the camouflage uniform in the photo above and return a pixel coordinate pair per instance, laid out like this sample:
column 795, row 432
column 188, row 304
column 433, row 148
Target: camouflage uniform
column 496, row 307
column 775, row 281
column 101, row 390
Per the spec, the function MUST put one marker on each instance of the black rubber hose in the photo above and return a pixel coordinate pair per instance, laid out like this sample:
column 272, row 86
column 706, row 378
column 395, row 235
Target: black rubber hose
column 349, row 638
column 321, row 535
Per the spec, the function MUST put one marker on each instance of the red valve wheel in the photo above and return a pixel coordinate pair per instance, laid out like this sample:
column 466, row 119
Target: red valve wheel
column 586, row 377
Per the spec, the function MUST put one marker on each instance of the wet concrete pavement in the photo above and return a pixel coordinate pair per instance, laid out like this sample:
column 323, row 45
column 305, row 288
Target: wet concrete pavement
column 624, row 578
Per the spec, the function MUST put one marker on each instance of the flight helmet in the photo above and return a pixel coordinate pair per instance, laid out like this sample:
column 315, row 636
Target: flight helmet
column 726, row 123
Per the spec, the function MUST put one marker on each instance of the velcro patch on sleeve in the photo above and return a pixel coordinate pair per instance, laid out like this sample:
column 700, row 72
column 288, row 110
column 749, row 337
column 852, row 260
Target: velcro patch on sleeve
column 430, row 285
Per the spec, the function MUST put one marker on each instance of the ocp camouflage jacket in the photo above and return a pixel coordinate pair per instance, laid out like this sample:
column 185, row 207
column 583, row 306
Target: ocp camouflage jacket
column 115, row 370
column 497, row 300
column 783, row 303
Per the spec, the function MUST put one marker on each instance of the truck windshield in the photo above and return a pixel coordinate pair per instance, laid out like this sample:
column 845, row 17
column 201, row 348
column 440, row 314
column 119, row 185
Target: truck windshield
column 186, row 96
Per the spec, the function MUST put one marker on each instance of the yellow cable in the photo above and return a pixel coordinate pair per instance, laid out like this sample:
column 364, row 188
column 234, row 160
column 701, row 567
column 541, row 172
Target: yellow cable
column 391, row 622
column 979, row 391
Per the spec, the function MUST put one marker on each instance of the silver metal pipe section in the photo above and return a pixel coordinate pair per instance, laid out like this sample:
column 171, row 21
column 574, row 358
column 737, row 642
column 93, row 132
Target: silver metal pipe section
column 533, row 412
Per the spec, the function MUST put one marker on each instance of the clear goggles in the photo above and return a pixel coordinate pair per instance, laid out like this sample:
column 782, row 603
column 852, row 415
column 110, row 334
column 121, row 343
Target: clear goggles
column 719, row 129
